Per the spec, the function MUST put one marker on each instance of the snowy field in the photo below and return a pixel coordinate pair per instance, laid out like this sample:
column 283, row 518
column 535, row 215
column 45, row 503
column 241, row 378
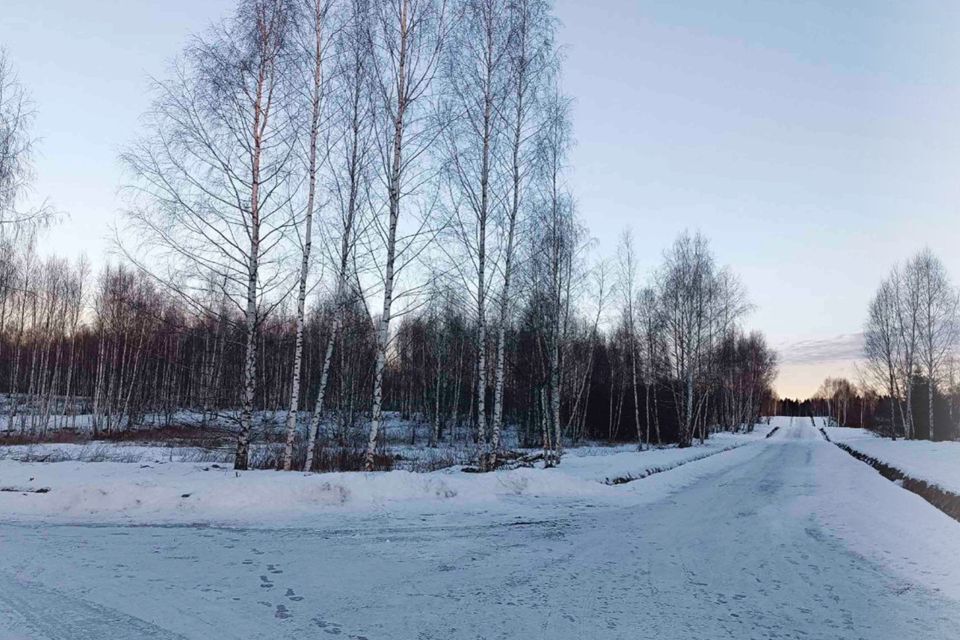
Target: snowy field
column 936, row 463
column 786, row 537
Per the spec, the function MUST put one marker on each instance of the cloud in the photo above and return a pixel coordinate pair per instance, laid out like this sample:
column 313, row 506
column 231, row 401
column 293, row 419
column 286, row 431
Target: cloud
column 847, row 346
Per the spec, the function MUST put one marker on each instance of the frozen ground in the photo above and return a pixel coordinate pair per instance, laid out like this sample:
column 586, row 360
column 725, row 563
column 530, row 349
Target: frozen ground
column 786, row 537
column 936, row 463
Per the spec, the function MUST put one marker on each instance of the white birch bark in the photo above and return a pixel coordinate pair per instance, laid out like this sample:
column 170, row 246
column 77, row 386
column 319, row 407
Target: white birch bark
column 393, row 195
column 525, row 77
column 269, row 40
column 412, row 42
column 319, row 10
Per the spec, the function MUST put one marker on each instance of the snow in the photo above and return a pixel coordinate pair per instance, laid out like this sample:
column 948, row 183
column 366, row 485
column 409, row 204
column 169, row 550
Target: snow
column 892, row 527
column 156, row 485
column 936, row 463
column 783, row 537
column 621, row 466
column 101, row 451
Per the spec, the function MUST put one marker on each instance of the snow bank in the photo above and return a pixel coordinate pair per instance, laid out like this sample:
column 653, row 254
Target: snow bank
column 936, row 463
column 153, row 489
column 624, row 466
column 191, row 492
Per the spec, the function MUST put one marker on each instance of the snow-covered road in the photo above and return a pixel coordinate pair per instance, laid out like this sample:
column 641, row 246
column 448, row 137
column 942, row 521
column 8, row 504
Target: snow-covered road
column 783, row 538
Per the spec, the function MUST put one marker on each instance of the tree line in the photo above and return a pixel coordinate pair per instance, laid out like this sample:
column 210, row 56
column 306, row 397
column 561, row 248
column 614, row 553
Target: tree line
column 343, row 210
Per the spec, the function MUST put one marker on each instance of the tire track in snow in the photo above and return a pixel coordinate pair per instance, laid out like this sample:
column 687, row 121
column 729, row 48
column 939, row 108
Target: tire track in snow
column 49, row 614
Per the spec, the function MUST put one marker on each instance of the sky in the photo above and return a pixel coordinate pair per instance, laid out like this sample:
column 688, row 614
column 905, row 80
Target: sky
column 816, row 143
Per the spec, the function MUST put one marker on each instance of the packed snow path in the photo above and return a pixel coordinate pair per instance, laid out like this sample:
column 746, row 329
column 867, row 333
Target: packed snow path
column 785, row 538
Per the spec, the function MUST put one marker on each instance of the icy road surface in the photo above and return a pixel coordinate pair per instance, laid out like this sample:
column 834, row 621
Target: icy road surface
column 783, row 538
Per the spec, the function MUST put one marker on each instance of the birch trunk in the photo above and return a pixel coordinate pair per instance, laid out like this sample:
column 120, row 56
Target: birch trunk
column 315, row 109
column 383, row 329
column 314, row 429
column 354, row 167
column 505, row 293
column 636, row 398
column 242, row 458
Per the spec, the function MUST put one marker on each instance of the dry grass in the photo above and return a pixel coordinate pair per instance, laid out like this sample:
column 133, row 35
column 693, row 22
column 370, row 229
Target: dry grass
column 189, row 436
column 93, row 452
column 61, row 436
column 327, row 457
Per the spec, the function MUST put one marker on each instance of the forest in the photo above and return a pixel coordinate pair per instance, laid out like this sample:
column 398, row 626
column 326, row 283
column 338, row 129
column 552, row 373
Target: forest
column 348, row 223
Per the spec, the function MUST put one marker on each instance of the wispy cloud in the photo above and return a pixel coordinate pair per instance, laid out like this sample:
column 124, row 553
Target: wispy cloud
column 847, row 346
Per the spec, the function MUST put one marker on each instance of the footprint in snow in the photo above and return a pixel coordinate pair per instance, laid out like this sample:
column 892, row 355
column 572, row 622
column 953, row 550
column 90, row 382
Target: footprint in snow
column 328, row 627
column 293, row 595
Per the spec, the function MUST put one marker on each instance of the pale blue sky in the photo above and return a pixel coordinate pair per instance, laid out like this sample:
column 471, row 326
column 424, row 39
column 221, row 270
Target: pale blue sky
column 815, row 142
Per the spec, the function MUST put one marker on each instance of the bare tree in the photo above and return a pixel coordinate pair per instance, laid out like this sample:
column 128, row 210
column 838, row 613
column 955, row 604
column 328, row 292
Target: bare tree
column 582, row 396
column 651, row 337
column 315, row 48
column 530, row 53
column 349, row 179
column 476, row 69
column 407, row 42
column 908, row 311
column 938, row 322
column 553, row 259
column 626, row 255
column 213, row 175
column 911, row 330
column 745, row 368
column 16, row 153
column 837, row 393
column 698, row 303
column 684, row 283
column 882, row 347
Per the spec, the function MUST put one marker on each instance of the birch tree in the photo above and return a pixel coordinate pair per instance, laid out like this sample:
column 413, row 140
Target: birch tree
column 407, row 38
column 314, row 47
column 938, row 322
column 212, row 191
column 698, row 304
column 530, row 58
column 476, row 73
column 683, row 282
column 651, row 337
column 882, row 347
column 911, row 329
column 552, row 260
column 350, row 179
column 582, row 396
column 908, row 314
column 17, row 113
column 626, row 255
